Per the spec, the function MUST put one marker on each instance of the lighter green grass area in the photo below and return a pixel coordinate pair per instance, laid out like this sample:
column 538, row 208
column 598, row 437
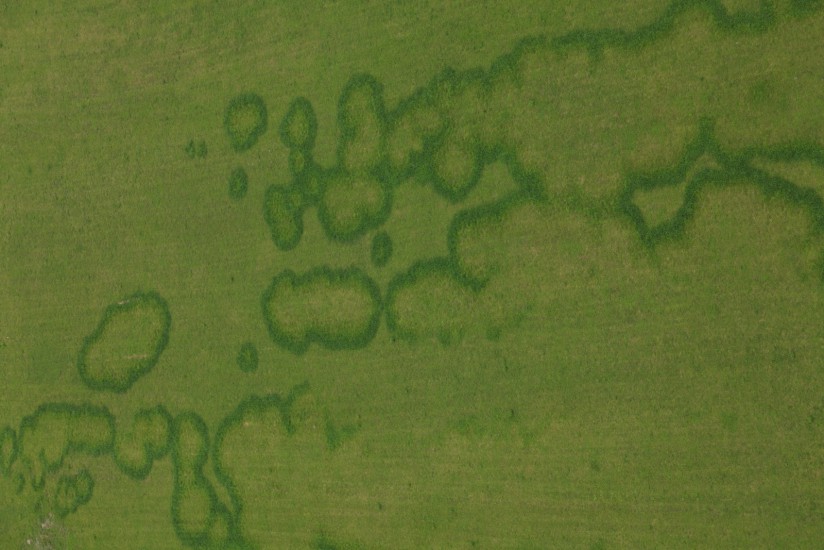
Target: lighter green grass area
column 635, row 398
column 352, row 203
column 659, row 205
column 126, row 344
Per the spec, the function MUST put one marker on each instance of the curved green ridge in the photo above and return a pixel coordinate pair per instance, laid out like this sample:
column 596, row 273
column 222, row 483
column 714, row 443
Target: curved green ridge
column 54, row 430
column 468, row 220
column 252, row 405
column 299, row 126
column 148, row 440
column 454, row 301
column 381, row 250
column 595, row 41
column 73, row 491
column 735, row 168
column 455, row 183
column 126, row 370
column 358, row 151
column 247, row 357
column 199, row 519
column 283, row 211
column 246, row 119
column 8, row 450
column 238, row 183
column 351, row 205
column 302, row 309
column 431, row 122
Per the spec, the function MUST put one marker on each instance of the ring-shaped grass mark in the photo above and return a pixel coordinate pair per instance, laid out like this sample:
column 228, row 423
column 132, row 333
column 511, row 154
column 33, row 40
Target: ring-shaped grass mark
column 72, row 492
column 309, row 179
column 126, row 344
column 55, row 430
column 334, row 308
column 198, row 517
column 300, row 162
column 149, row 439
column 246, row 119
column 455, row 166
column 283, row 209
column 351, row 205
column 400, row 322
column 414, row 128
column 362, row 123
column 299, row 125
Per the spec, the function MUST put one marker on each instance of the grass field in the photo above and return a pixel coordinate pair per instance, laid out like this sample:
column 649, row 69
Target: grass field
column 384, row 274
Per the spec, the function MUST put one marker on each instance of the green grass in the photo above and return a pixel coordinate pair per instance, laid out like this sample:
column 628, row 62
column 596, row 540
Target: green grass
column 439, row 275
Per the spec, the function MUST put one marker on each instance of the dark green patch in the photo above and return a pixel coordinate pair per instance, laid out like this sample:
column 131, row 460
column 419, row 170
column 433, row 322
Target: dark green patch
column 238, row 183
column 381, row 250
column 247, row 357
column 196, row 149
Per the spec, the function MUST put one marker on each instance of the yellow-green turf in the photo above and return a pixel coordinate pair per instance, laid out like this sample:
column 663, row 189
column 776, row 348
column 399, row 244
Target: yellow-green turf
column 486, row 274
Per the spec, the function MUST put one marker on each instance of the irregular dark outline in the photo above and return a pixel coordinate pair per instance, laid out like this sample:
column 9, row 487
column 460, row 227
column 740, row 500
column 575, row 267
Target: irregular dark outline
column 332, row 276
column 495, row 211
column 403, row 279
column 244, row 143
column 152, row 453
column 421, row 98
column 480, row 160
column 450, row 83
column 735, row 169
column 299, row 105
column 367, row 223
column 703, row 145
column 303, row 179
column 348, row 129
column 596, row 41
column 146, row 365
column 283, row 192
column 195, row 466
column 29, row 422
column 253, row 404
column 69, row 482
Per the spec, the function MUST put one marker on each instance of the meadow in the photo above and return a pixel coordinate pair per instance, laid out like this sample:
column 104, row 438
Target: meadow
column 385, row 274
